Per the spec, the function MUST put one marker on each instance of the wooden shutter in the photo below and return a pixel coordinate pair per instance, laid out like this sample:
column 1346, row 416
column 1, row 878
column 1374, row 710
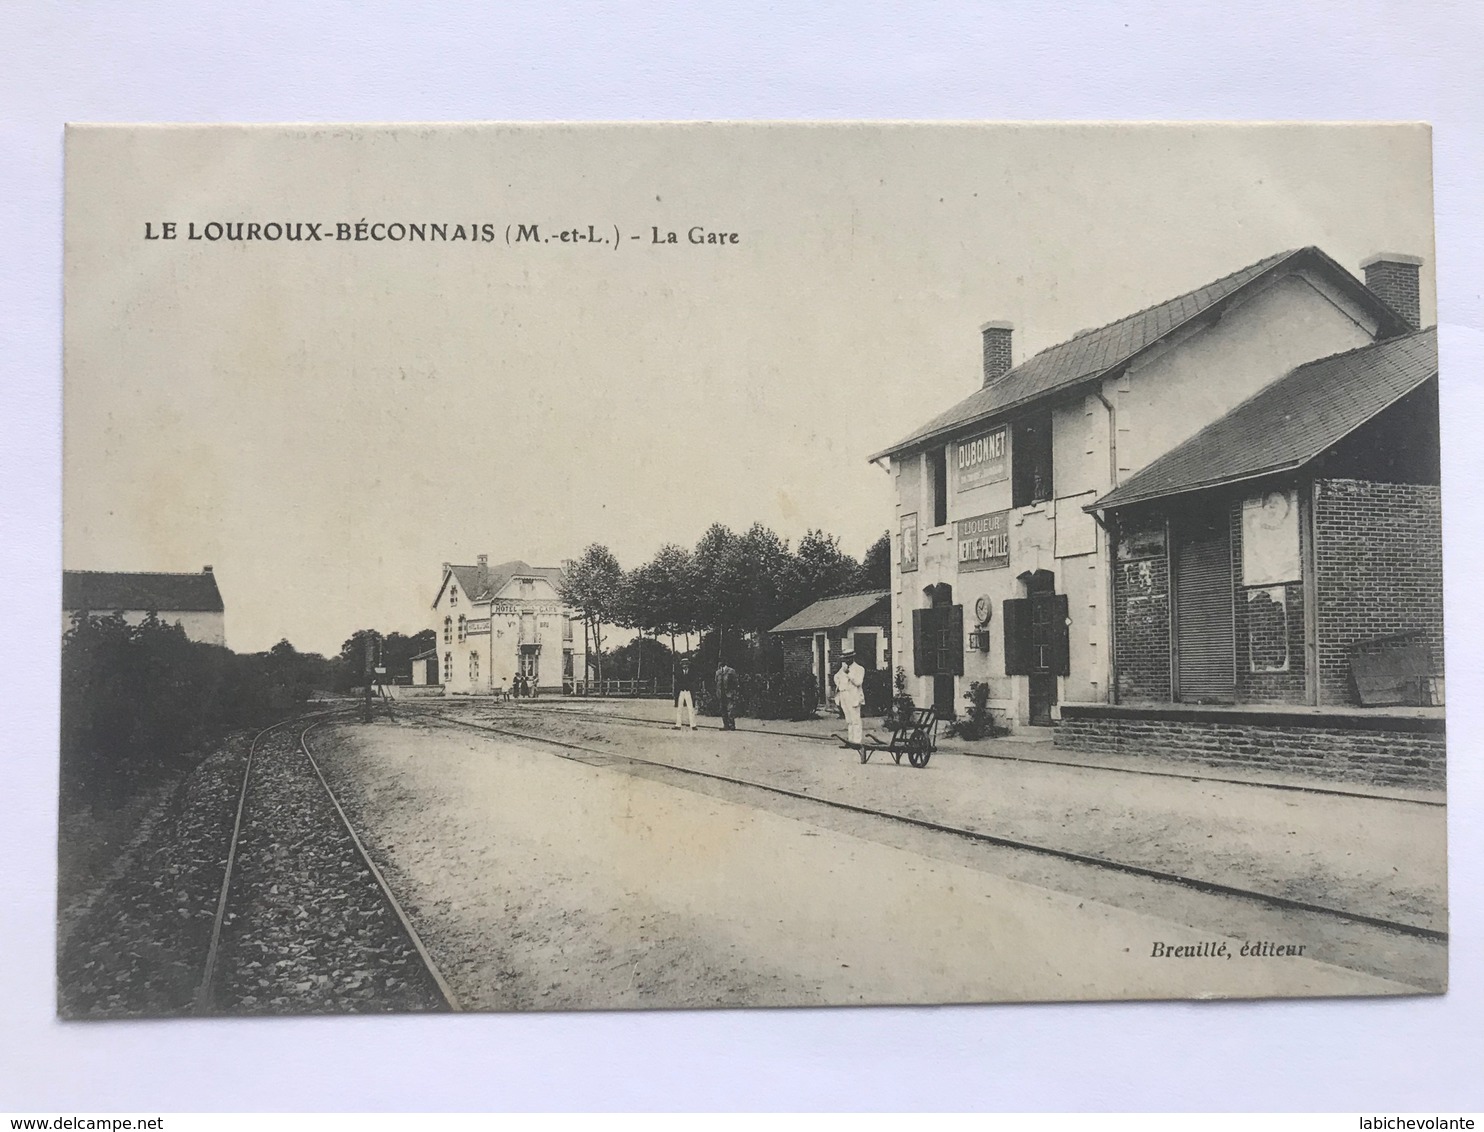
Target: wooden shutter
column 1061, row 636
column 924, row 654
column 952, row 628
column 1203, row 610
column 1017, row 619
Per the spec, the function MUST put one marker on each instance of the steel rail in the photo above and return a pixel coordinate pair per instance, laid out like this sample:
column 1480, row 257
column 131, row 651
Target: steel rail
column 450, row 999
column 640, row 721
column 1196, row 883
column 203, row 991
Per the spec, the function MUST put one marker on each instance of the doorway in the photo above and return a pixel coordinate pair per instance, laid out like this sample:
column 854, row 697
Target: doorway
column 949, row 652
column 1205, row 637
column 1045, row 634
column 822, row 667
column 865, row 650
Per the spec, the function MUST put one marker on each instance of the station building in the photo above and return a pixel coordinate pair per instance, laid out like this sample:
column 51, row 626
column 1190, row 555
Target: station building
column 1281, row 573
column 497, row 622
column 191, row 601
column 1003, row 568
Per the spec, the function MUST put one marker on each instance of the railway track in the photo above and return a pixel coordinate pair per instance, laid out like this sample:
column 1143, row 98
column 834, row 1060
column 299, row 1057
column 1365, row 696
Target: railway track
column 305, row 921
column 592, row 756
column 640, row 721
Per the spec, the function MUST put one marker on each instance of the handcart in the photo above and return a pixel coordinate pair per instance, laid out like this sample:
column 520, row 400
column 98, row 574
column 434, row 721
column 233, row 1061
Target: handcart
column 916, row 736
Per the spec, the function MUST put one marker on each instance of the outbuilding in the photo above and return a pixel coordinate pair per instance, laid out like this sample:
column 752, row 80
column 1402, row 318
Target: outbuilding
column 191, row 601
column 814, row 638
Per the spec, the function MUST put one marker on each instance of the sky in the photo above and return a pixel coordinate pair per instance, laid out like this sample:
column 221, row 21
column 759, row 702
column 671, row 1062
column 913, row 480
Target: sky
column 326, row 422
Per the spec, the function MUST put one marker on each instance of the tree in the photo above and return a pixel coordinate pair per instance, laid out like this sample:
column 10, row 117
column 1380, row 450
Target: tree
column 721, row 583
column 353, row 654
column 822, row 569
column 592, row 587
column 770, row 578
column 875, row 569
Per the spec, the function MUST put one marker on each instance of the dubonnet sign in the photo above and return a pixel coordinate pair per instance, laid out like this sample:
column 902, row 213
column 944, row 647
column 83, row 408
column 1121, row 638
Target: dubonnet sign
column 981, row 460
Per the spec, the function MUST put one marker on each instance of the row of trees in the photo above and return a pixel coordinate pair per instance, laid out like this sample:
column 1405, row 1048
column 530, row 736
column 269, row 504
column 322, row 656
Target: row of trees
column 135, row 698
column 730, row 588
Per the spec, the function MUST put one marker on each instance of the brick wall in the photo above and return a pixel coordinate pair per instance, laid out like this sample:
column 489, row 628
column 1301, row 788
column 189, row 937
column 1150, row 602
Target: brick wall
column 1375, row 755
column 1141, row 604
column 1380, row 572
column 1397, row 283
column 1269, row 623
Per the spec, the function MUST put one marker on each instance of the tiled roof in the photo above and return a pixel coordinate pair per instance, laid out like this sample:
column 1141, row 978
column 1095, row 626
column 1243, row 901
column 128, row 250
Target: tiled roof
column 1300, row 416
column 1094, row 353
column 102, row 590
column 484, row 585
column 832, row 612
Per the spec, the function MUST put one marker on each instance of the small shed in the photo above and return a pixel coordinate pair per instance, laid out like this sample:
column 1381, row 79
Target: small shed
column 425, row 668
column 814, row 637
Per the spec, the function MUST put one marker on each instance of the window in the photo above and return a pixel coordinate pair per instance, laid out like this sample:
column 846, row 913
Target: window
column 937, row 477
column 527, row 588
column 448, row 668
column 566, row 628
column 1030, row 460
column 463, row 628
column 453, row 595
column 448, row 630
column 474, row 667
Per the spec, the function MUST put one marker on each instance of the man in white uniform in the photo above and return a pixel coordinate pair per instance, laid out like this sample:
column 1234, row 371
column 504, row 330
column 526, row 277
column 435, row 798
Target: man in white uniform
column 849, row 694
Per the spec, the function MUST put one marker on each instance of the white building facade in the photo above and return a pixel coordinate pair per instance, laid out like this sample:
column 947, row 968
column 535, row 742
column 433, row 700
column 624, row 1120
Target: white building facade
column 497, row 622
column 999, row 574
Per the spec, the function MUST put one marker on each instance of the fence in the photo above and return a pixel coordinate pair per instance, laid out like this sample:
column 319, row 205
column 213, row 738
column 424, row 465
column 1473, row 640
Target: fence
column 651, row 687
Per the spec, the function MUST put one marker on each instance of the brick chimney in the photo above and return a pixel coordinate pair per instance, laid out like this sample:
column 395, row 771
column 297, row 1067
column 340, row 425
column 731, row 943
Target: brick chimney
column 997, row 361
column 1394, row 278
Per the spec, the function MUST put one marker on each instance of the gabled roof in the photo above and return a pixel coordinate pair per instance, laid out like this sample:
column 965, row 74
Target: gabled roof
column 832, row 612
column 1094, row 354
column 101, row 590
column 1284, row 426
column 484, row 585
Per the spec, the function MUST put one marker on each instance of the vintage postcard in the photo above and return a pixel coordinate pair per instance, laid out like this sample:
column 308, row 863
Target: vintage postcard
column 569, row 567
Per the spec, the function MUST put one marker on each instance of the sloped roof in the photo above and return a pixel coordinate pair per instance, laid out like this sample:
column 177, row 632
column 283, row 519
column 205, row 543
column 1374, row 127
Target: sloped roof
column 483, row 585
column 100, row 590
column 1095, row 353
column 1297, row 418
column 832, row 612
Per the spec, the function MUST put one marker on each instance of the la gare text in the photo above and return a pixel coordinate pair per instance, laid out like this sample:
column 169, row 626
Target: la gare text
column 306, row 231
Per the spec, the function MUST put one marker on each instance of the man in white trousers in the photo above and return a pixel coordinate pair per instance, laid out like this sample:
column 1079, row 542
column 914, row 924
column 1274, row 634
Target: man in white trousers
column 850, row 695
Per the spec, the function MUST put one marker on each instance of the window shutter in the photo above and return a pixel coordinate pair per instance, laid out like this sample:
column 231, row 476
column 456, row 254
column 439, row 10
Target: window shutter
column 924, row 657
column 1017, row 618
column 952, row 628
column 1061, row 636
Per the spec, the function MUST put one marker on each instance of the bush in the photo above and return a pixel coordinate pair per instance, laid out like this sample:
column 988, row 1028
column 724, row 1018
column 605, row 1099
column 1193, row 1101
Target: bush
column 135, row 698
column 902, row 705
column 978, row 722
column 773, row 695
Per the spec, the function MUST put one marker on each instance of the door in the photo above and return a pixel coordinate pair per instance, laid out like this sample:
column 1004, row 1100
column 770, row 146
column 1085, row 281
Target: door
column 1206, row 668
column 865, row 650
column 822, row 667
column 1045, row 627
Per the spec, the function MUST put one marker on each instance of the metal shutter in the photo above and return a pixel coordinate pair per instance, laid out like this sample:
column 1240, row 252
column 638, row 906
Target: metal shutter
column 1203, row 607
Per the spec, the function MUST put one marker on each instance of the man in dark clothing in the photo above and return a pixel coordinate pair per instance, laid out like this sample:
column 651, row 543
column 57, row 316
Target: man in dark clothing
column 726, row 695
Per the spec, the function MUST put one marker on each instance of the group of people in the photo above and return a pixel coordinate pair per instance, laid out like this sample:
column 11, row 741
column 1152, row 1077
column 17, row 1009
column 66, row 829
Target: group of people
column 850, row 679
column 521, row 686
column 728, row 684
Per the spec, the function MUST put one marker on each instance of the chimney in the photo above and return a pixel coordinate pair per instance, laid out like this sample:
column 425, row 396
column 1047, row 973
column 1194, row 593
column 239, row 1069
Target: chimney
column 445, row 567
column 1394, row 278
column 483, row 561
column 996, row 349
column 205, row 569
